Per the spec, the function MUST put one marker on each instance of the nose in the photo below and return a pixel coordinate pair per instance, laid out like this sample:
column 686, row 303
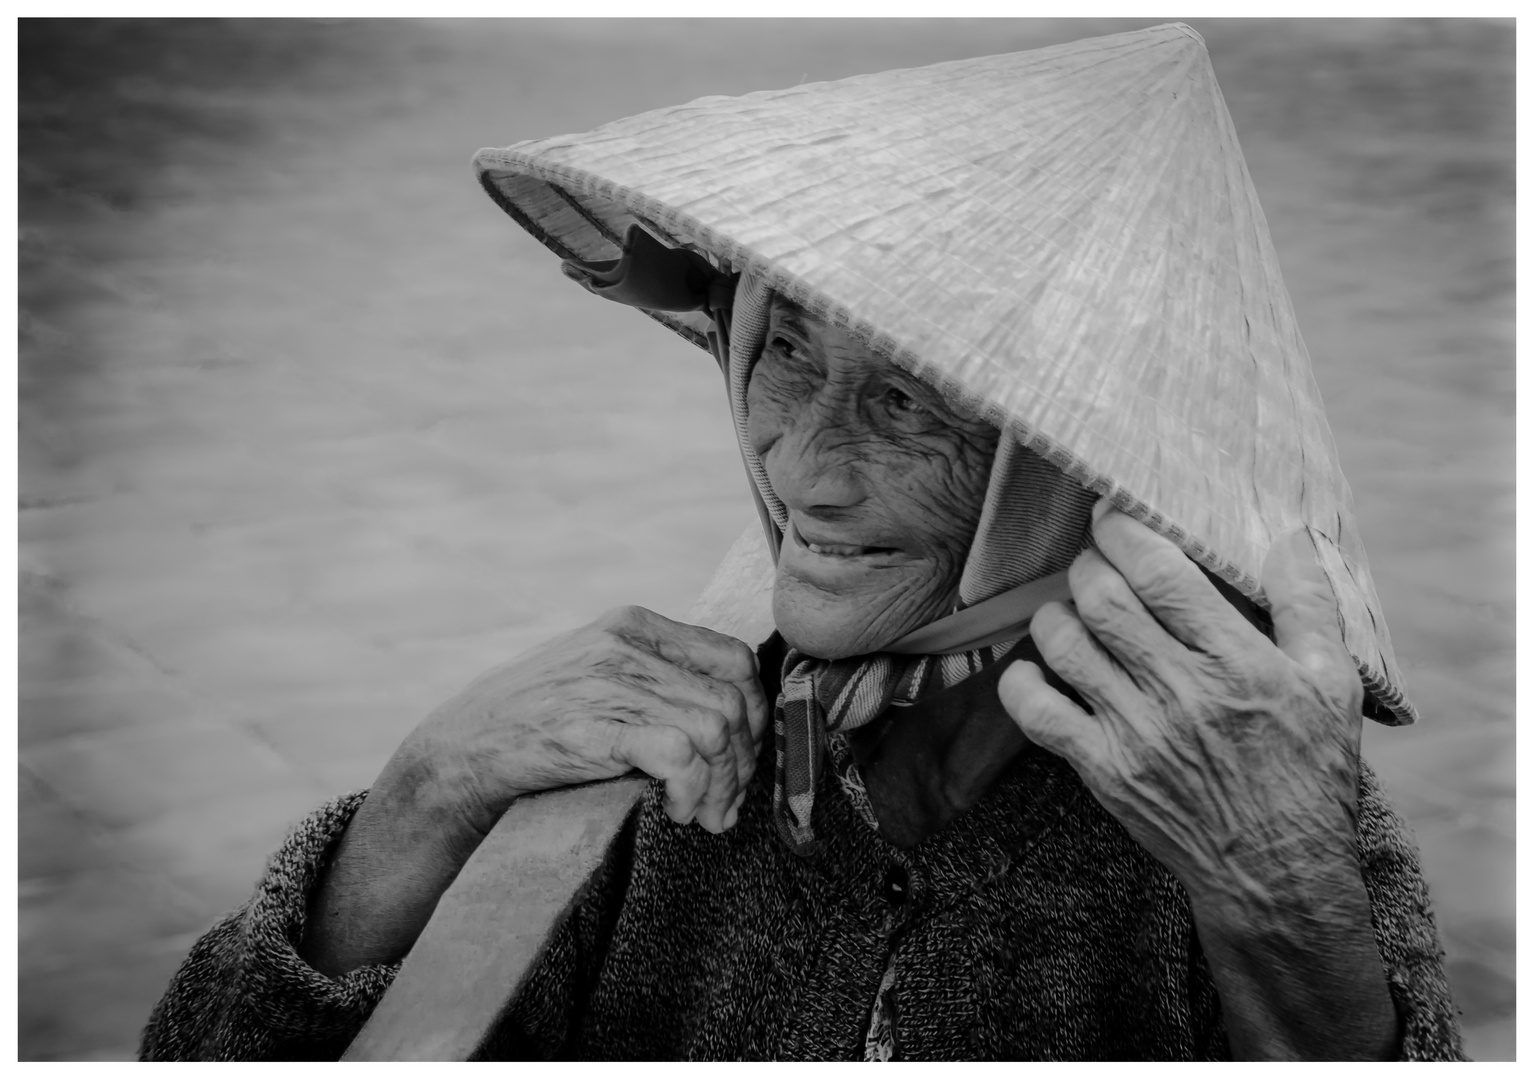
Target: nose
column 814, row 466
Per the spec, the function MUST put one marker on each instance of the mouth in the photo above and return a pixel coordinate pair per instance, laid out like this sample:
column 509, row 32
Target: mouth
column 824, row 547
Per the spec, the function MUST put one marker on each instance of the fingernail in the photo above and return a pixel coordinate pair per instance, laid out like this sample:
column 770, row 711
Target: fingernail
column 730, row 818
column 1101, row 507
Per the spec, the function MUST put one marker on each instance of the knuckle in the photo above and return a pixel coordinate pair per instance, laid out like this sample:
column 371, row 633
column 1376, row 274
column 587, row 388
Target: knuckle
column 1047, row 724
column 742, row 659
column 617, row 667
column 671, row 746
column 1164, row 569
column 714, row 737
column 1049, row 703
column 695, row 777
column 1032, row 713
column 1039, row 706
column 1070, row 648
column 1082, row 568
column 1098, row 591
column 734, row 704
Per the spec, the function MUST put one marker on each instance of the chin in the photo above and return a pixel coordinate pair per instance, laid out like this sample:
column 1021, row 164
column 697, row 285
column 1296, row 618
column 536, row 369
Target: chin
column 828, row 629
column 820, row 641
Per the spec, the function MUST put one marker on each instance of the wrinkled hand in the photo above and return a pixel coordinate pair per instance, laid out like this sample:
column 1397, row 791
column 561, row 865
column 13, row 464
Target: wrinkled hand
column 633, row 690
column 1230, row 758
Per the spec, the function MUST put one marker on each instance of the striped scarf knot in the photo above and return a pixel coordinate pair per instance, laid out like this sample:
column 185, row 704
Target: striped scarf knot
column 822, row 701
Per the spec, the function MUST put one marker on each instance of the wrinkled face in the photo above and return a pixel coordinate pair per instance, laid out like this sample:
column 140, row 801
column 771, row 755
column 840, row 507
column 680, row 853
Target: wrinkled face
column 883, row 481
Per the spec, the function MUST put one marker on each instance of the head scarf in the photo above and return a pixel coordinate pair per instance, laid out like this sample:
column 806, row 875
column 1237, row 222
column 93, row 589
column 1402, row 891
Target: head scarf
column 1034, row 521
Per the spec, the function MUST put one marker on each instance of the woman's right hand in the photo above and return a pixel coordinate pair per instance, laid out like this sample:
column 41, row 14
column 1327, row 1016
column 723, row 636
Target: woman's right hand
column 633, row 690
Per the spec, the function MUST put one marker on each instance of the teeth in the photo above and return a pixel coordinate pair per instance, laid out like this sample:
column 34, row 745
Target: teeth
column 836, row 549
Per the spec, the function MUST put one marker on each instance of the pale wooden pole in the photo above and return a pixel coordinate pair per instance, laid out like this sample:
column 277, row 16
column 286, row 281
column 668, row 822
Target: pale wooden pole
column 491, row 926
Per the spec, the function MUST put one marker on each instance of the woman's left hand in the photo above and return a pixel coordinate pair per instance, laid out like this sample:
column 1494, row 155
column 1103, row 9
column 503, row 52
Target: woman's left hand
column 1228, row 757
column 1234, row 761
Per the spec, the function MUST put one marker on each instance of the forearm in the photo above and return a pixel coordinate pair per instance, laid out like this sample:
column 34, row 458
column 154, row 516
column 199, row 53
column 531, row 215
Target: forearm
column 1297, row 968
column 393, row 863
column 243, row 993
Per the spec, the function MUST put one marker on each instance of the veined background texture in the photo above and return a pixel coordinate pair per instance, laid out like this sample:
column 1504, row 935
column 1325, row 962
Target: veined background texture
column 311, row 434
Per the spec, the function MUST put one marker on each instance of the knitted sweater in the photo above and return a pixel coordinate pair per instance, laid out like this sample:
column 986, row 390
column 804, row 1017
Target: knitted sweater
column 1031, row 927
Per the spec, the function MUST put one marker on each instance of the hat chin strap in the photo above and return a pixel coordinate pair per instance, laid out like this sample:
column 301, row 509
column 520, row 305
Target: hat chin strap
column 1003, row 617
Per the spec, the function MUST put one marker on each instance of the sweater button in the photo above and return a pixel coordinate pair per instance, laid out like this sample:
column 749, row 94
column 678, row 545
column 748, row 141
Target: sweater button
column 897, row 885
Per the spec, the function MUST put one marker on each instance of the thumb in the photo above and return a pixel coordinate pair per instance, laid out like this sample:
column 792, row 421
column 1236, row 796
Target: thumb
column 1305, row 620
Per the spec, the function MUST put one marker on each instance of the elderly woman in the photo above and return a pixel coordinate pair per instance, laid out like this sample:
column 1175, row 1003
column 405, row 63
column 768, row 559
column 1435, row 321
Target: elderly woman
column 1015, row 776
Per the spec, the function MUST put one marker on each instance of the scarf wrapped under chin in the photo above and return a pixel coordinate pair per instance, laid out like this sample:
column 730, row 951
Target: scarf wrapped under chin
column 1035, row 520
column 822, row 701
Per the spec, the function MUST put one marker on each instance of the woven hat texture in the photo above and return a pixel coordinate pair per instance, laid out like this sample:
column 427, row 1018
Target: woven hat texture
column 1066, row 240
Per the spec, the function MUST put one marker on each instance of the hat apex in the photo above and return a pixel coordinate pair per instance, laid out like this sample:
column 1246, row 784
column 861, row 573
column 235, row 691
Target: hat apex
column 1067, row 238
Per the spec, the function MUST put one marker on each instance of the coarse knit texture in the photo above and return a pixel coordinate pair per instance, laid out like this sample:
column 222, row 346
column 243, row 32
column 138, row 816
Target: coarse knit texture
column 1032, row 927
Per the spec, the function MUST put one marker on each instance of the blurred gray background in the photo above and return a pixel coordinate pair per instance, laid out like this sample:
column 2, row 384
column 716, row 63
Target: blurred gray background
column 311, row 434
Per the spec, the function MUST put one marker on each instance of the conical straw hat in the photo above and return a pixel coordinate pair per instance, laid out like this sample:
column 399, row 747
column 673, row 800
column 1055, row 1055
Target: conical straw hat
column 1066, row 239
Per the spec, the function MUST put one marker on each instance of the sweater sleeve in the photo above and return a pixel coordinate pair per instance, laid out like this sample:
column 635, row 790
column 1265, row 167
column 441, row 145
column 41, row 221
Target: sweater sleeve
column 1404, row 929
column 243, row 994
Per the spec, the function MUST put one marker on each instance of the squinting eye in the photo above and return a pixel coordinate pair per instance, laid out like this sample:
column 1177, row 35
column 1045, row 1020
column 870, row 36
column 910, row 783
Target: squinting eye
column 900, row 401
column 781, row 345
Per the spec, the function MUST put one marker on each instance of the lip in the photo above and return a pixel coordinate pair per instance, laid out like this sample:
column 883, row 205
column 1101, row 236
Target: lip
column 831, row 546
column 829, row 559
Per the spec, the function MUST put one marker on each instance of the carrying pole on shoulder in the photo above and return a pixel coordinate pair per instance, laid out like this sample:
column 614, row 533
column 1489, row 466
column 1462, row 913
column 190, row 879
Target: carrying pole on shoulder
column 493, row 924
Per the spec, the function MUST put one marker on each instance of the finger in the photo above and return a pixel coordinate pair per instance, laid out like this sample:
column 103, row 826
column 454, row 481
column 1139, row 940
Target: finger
column 1072, row 653
column 749, row 737
column 710, row 738
column 732, row 704
column 1118, row 620
column 699, row 649
column 694, row 647
column 723, row 659
column 666, row 754
column 1169, row 584
column 741, row 739
column 679, row 687
column 1306, row 625
column 1048, row 717
column 757, row 709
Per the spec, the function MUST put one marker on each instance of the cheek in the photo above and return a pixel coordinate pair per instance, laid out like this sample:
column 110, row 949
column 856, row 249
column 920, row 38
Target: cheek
column 771, row 399
column 762, row 423
column 938, row 488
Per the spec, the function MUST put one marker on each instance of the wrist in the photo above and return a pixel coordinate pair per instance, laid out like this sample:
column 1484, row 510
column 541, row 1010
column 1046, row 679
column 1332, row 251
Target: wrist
column 1291, row 875
column 1297, row 967
column 432, row 795
column 1288, row 918
column 1288, row 936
